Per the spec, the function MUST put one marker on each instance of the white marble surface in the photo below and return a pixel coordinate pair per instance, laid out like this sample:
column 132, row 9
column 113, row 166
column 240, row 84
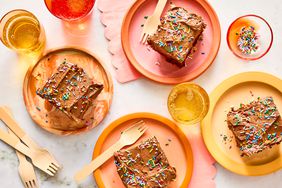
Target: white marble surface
column 74, row 151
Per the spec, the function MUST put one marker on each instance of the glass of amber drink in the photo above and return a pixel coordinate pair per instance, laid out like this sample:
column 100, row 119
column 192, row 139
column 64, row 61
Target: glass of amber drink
column 21, row 31
column 188, row 103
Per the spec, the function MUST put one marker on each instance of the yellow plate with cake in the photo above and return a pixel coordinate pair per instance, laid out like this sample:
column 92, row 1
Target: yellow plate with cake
column 86, row 71
column 172, row 141
column 220, row 141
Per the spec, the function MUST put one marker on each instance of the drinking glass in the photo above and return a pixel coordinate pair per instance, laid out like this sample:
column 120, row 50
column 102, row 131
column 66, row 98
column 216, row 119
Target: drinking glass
column 70, row 10
column 239, row 45
column 188, row 103
column 21, row 31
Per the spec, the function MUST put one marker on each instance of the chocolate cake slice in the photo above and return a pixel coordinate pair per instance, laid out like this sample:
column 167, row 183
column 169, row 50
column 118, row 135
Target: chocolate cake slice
column 144, row 166
column 70, row 90
column 177, row 34
column 256, row 125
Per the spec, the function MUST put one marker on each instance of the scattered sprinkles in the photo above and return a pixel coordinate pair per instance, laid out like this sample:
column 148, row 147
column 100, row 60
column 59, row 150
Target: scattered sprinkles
column 226, row 139
column 37, row 108
column 66, row 96
column 248, row 40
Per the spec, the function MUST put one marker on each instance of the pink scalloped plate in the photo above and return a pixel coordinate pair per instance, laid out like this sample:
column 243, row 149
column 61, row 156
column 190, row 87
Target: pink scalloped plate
column 153, row 65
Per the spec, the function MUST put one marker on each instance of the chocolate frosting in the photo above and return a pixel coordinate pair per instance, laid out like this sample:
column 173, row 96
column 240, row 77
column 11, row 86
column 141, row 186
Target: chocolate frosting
column 256, row 125
column 177, row 34
column 144, row 166
column 70, row 90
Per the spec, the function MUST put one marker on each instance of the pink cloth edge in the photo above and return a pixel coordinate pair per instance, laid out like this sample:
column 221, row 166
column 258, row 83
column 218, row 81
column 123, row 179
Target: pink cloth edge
column 124, row 71
column 204, row 170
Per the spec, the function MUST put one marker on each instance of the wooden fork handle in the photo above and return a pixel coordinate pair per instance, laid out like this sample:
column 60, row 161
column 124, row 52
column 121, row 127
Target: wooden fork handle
column 6, row 117
column 21, row 157
column 14, row 142
column 160, row 7
column 97, row 162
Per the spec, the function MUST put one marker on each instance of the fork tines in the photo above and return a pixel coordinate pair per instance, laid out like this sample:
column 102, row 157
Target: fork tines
column 52, row 169
column 30, row 184
column 140, row 122
column 144, row 38
column 142, row 128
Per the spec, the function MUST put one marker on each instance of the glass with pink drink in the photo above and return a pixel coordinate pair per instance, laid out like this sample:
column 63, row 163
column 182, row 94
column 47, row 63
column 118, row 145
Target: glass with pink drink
column 70, row 10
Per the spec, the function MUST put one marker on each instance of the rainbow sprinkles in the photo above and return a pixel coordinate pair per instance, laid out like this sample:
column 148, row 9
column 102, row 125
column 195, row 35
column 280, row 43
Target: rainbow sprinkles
column 144, row 165
column 248, row 40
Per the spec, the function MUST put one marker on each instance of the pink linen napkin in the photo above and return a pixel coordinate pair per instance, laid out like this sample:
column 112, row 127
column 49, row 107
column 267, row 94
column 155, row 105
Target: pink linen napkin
column 112, row 16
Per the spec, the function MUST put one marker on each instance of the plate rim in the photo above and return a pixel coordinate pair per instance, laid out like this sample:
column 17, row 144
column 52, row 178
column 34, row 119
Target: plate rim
column 31, row 68
column 206, row 127
column 185, row 142
column 170, row 80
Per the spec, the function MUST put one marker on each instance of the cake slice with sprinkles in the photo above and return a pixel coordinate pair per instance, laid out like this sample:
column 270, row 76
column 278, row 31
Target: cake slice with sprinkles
column 70, row 90
column 177, row 35
column 256, row 125
column 144, row 166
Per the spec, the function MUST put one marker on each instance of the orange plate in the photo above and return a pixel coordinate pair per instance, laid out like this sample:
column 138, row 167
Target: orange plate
column 43, row 113
column 153, row 65
column 178, row 150
column 238, row 89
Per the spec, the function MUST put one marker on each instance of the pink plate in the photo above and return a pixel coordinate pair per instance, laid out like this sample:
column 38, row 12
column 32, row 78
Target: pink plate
column 153, row 65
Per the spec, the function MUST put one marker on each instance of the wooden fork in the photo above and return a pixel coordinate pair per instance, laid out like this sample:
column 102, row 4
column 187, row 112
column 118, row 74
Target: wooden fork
column 43, row 153
column 128, row 137
column 26, row 172
column 25, row 169
column 38, row 157
column 152, row 22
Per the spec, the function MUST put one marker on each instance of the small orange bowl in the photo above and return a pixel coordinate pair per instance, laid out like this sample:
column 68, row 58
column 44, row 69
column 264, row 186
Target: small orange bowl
column 263, row 33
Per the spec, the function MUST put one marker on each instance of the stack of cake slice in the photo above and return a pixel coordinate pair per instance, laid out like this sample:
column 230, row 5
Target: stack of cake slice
column 256, row 125
column 177, row 35
column 144, row 166
column 70, row 90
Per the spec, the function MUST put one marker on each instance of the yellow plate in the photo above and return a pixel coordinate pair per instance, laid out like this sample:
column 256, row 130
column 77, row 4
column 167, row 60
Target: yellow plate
column 238, row 89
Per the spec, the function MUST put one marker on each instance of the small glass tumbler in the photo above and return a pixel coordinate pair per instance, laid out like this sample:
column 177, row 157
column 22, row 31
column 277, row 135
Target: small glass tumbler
column 249, row 37
column 70, row 10
column 188, row 103
column 21, row 31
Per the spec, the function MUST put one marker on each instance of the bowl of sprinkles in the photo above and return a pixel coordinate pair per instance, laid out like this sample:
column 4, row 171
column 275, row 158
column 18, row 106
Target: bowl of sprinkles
column 249, row 37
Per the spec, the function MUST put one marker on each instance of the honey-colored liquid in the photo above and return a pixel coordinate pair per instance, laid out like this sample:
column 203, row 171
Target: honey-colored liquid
column 23, row 33
column 188, row 104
